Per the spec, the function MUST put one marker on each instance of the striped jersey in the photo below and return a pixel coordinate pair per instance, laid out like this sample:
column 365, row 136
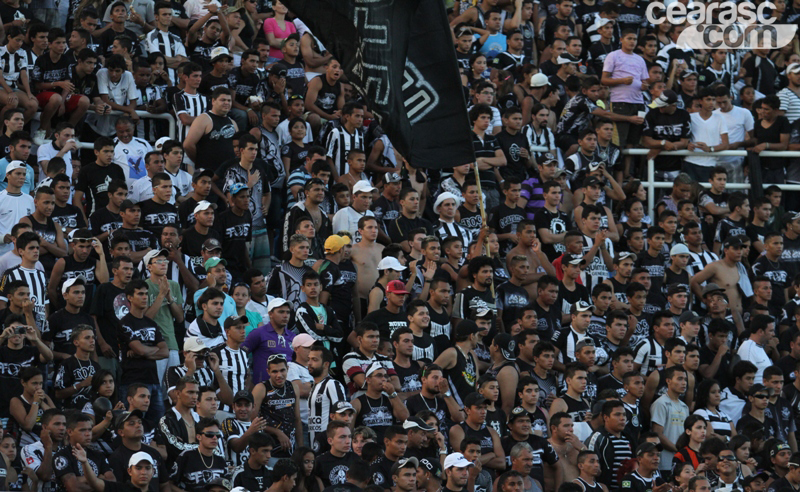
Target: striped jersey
column 164, row 42
column 719, row 421
column 613, row 451
column 12, row 64
column 339, row 143
column 447, row 229
column 231, row 429
column 37, row 283
column 192, row 104
column 204, row 376
column 233, row 365
column 651, row 355
column 322, row 396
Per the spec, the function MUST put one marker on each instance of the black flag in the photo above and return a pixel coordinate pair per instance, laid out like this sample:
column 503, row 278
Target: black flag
column 399, row 56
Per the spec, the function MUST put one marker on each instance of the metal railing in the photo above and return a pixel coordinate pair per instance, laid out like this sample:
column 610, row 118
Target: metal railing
column 651, row 184
column 172, row 133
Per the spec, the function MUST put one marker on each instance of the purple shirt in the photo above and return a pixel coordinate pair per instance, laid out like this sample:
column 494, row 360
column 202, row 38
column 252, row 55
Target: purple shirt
column 620, row 65
column 263, row 342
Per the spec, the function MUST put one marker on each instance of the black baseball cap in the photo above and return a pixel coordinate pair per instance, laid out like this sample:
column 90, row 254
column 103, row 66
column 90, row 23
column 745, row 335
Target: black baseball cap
column 474, row 399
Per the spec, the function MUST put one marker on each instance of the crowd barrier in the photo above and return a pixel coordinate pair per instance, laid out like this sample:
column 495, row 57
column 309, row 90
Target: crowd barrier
column 172, row 133
column 651, row 184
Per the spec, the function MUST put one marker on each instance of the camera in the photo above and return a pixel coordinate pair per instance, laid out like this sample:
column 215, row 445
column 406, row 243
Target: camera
column 20, row 330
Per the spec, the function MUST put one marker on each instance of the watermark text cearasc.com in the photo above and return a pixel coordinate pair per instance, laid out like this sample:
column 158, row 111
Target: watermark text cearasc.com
column 725, row 25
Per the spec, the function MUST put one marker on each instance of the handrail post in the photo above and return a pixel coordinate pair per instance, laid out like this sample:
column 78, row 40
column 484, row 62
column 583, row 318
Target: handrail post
column 651, row 185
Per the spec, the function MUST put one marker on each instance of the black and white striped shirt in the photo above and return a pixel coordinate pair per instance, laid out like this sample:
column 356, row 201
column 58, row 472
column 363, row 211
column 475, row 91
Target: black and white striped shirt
column 232, row 429
column 720, row 421
column 204, row 376
column 339, row 143
column 12, row 64
column 192, row 104
column 30, row 59
column 233, row 366
column 544, row 138
column 446, row 230
column 322, row 396
column 166, row 43
column 37, row 283
column 650, row 354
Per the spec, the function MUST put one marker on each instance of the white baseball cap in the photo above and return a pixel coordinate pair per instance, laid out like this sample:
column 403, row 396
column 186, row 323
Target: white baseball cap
column 139, row 457
column 363, row 186
column 203, row 205
column 679, row 249
column 456, row 460
column 276, row 303
column 390, row 263
column 194, row 344
column 539, row 80
column 70, row 282
column 14, row 165
column 160, row 142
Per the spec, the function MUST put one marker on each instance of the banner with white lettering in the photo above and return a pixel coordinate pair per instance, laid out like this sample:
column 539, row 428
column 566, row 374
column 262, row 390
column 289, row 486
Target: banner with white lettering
column 399, row 56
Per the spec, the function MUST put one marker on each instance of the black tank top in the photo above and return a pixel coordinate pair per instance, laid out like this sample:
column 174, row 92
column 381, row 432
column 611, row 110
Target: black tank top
column 86, row 269
column 327, row 95
column 25, row 437
column 383, row 289
column 590, row 488
column 671, row 277
column 216, row 146
column 278, row 411
column 482, row 435
column 494, row 371
column 375, row 414
column 47, row 232
column 619, row 290
column 463, row 375
column 577, row 409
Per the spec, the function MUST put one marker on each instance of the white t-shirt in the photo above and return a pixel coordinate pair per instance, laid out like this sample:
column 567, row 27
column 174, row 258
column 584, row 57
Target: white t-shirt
column 47, row 152
column 122, row 92
column 347, row 219
column 130, row 157
column 182, row 182
column 299, row 373
column 142, row 190
column 197, row 8
column 739, row 121
column 285, row 137
column 709, row 132
column 750, row 350
column 13, row 207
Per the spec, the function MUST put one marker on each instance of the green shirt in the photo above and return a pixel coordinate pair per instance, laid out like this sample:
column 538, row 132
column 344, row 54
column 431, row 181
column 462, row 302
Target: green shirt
column 163, row 317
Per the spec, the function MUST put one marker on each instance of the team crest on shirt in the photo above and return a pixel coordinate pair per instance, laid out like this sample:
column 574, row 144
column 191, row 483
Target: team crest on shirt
column 377, row 478
column 61, row 463
column 626, row 484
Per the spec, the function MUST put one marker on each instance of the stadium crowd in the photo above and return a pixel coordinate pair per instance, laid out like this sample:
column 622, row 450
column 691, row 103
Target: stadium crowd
column 275, row 299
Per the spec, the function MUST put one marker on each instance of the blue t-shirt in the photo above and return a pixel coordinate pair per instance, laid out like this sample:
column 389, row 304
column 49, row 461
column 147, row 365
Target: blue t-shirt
column 27, row 188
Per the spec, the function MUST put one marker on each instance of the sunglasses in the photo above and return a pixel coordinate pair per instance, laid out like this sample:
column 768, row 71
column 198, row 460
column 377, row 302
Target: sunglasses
column 727, row 457
column 761, row 396
column 212, row 435
column 276, row 357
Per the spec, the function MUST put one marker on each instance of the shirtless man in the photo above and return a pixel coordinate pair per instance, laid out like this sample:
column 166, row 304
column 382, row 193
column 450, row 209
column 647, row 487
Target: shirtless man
column 366, row 255
column 566, row 444
column 724, row 272
column 531, row 248
column 589, row 472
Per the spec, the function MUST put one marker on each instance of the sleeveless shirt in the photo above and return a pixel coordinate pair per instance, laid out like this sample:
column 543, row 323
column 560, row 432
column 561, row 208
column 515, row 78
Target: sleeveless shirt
column 463, row 375
column 47, row 232
column 216, row 146
column 482, row 435
column 277, row 409
column 375, row 414
column 327, row 95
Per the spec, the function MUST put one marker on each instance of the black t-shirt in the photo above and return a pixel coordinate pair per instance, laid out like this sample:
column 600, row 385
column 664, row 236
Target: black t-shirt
column 186, row 212
column 387, row 321
column 549, row 321
column 73, row 371
column 93, row 182
column 295, row 153
column 398, row 229
column 10, row 14
column 765, row 76
column 110, row 305
column 155, row 216
column 64, row 463
column 46, row 70
column 486, row 147
column 333, row 470
column 381, row 470
column 139, row 239
column 516, row 165
column 509, row 298
column 770, row 426
column 211, row 82
column 243, row 85
column 193, row 243
column 409, row 377
column 192, row 474
column 104, row 220
column 108, row 37
column 144, row 330
column 60, row 326
column 295, row 76
column 504, row 219
column 12, row 363
column 118, row 461
column 672, row 128
column 557, row 223
column 236, row 232
column 68, row 217
column 250, row 479
column 772, row 135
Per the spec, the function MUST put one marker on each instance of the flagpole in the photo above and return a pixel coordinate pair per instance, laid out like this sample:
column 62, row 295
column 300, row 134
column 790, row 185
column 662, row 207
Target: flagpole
column 483, row 217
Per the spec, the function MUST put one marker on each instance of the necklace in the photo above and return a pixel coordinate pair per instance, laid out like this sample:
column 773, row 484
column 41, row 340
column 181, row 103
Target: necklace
column 435, row 404
column 202, row 458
